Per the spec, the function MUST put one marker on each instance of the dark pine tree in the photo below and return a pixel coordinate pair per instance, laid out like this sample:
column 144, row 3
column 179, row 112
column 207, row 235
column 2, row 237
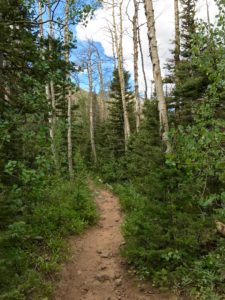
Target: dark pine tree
column 116, row 120
column 191, row 82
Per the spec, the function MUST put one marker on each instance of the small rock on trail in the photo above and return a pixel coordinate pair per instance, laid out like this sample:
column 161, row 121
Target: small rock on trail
column 95, row 270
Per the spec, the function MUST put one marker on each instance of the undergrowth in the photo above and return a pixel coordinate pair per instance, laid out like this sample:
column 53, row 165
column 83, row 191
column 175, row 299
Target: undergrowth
column 151, row 249
column 31, row 246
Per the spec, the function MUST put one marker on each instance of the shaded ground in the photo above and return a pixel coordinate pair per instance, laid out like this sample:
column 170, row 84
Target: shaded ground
column 96, row 271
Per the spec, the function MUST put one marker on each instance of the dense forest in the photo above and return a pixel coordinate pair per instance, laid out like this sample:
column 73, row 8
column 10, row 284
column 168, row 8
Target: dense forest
column 161, row 151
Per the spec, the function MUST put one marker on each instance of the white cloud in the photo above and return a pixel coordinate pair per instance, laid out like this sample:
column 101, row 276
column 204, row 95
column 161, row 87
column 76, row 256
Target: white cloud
column 164, row 13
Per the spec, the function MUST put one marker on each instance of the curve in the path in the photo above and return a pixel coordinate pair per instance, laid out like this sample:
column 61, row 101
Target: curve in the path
column 96, row 270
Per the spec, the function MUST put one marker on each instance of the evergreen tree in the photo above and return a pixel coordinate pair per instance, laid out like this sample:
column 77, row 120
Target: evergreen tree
column 188, row 26
column 34, row 215
column 191, row 82
column 116, row 120
column 145, row 150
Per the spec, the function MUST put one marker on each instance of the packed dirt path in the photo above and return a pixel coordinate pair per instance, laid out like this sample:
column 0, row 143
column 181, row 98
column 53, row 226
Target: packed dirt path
column 96, row 271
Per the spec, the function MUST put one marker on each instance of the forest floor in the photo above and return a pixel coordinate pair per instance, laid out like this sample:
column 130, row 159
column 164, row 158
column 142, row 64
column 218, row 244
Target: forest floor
column 96, row 270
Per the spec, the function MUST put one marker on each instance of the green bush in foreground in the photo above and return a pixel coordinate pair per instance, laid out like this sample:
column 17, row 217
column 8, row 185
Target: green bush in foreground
column 183, row 253
column 31, row 247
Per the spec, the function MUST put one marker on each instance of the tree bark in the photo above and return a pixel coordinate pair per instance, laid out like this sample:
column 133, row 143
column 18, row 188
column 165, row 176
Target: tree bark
column 113, row 48
column 102, row 108
column 40, row 19
column 51, row 89
column 162, row 107
column 91, row 117
column 119, row 52
column 208, row 15
column 177, row 51
column 69, row 93
column 135, row 46
column 142, row 62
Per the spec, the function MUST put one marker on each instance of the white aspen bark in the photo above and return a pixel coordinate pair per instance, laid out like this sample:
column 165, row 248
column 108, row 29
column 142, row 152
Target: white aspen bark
column 135, row 46
column 119, row 52
column 113, row 49
column 69, row 95
column 208, row 15
column 142, row 62
column 162, row 107
column 52, row 87
column 52, row 92
column 49, row 87
column 102, row 109
column 101, row 98
column 91, row 117
column 40, row 19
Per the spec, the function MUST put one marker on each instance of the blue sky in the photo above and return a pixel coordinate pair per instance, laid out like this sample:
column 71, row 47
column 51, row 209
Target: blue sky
column 96, row 30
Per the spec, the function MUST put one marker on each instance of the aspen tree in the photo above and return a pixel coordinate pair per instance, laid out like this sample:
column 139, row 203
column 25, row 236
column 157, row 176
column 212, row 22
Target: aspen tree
column 69, row 94
column 135, row 46
column 102, row 107
column 49, row 87
column 142, row 61
column 40, row 18
column 208, row 15
column 113, row 48
column 119, row 53
column 153, row 48
column 51, row 90
column 91, row 117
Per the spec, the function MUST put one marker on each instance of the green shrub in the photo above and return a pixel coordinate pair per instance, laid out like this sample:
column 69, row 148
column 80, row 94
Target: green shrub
column 31, row 247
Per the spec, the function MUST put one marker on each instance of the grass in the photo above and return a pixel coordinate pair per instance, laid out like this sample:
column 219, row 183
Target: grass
column 33, row 246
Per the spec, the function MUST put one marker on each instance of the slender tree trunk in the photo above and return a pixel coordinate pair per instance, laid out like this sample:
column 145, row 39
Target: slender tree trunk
column 177, row 34
column 162, row 107
column 113, row 48
column 69, row 93
column 40, row 19
column 208, row 16
column 119, row 52
column 142, row 62
column 177, row 52
column 51, row 89
column 135, row 45
column 91, row 117
column 102, row 109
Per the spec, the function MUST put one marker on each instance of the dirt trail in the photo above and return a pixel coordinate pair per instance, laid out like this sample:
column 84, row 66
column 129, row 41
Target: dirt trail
column 96, row 271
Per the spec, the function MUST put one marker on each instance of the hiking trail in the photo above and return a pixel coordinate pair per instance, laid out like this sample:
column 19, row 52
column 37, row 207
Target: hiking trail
column 96, row 271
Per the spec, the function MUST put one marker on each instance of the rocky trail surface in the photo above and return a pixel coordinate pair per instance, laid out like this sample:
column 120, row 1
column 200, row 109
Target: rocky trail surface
column 95, row 270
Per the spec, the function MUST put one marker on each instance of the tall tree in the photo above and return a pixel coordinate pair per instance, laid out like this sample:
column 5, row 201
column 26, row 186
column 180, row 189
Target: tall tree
column 153, row 49
column 188, row 26
column 50, row 89
column 116, row 116
column 101, row 98
column 91, row 100
column 177, row 33
column 69, row 92
column 190, row 81
column 142, row 61
column 136, row 77
column 119, row 52
column 111, row 31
